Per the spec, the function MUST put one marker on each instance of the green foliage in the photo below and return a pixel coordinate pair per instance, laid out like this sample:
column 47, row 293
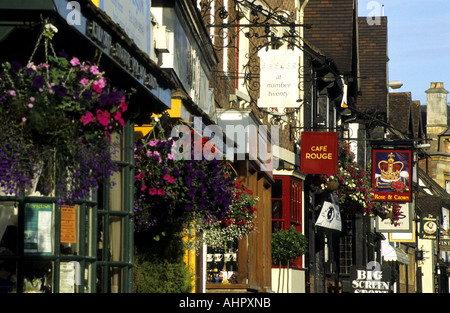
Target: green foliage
column 156, row 276
column 159, row 265
column 287, row 245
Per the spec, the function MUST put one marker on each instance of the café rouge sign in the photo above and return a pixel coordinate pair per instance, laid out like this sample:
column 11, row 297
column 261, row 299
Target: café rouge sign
column 319, row 152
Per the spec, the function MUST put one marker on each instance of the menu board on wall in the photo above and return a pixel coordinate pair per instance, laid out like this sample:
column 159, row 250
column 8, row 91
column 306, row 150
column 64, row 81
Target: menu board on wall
column 68, row 224
column 38, row 232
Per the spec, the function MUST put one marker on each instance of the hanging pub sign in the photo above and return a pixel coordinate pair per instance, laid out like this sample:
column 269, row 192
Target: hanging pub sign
column 330, row 216
column 444, row 244
column 391, row 175
column 279, row 78
column 428, row 227
column 319, row 152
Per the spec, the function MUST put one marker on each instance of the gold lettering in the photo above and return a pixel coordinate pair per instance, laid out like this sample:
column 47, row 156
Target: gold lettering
column 319, row 156
column 319, row 148
column 404, row 198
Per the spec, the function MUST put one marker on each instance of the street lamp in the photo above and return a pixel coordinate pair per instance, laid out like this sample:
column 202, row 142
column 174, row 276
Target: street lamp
column 395, row 84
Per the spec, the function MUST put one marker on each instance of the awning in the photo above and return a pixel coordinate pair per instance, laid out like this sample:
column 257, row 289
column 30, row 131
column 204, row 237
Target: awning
column 390, row 253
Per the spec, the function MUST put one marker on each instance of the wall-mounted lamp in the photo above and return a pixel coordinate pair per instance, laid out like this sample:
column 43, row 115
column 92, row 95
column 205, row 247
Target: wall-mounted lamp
column 419, row 255
column 423, row 146
column 396, row 84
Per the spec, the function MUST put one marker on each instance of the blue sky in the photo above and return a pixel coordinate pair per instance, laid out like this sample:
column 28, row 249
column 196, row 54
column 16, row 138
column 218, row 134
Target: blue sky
column 418, row 42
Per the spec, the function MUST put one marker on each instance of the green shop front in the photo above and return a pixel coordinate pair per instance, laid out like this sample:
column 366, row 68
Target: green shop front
column 75, row 85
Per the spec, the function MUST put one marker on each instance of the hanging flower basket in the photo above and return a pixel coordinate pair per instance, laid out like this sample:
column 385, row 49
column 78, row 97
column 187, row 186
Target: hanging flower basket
column 172, row 192
column 352, row 185
column 332, row 185
column 60, row 113
column 238, row 223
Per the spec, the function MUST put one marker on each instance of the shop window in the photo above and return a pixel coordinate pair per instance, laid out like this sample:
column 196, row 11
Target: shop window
column 346, row 246
column 277, row 206
column 83, row 247
column 222, row 264
column 286, row 203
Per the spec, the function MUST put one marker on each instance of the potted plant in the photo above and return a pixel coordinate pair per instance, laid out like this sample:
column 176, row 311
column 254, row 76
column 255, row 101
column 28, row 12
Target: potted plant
column 287, row 245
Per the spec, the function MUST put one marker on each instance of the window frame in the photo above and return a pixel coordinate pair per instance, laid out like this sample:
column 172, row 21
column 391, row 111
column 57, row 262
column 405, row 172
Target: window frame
column 292, row 206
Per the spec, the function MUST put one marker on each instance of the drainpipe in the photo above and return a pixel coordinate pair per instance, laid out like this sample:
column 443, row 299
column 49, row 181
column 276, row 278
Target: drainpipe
column 302, row 56
column 306, row 201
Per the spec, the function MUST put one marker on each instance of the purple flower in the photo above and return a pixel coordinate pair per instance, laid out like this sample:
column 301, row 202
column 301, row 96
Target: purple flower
column 87, row 94
column 111, row 98
column 15, row 67
column 60, row 91
column 191, row 192
column 63, row 54
column 38, row 81
column 29, row 70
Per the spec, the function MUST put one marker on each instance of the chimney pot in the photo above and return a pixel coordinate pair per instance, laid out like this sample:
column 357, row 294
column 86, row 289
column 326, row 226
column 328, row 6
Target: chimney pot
column 437, row 85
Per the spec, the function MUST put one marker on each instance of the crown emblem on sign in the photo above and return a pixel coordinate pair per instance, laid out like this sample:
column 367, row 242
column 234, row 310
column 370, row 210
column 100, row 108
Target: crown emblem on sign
column 390, row 170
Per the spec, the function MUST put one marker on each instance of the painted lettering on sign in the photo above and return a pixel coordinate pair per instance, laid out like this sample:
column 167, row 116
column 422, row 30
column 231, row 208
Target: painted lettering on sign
column 372, row 279
column 319, row 152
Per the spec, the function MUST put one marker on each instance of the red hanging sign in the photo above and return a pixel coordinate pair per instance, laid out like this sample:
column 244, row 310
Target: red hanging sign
column 319, row 152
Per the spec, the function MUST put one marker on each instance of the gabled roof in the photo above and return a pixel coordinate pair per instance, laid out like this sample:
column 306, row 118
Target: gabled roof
column 399, row 111
column 405, row 114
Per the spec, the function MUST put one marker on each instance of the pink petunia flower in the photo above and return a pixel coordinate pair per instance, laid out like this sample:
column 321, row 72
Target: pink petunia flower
column 94, row 70
column 96, row 87
column 101, row 82
column 84, row 81
column 118, row 117
column 87, row 118
column 103, row 117
column 123, row 104
column 75, row 62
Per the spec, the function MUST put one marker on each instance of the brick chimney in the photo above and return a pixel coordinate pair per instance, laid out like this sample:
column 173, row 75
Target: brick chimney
column 436, row 109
